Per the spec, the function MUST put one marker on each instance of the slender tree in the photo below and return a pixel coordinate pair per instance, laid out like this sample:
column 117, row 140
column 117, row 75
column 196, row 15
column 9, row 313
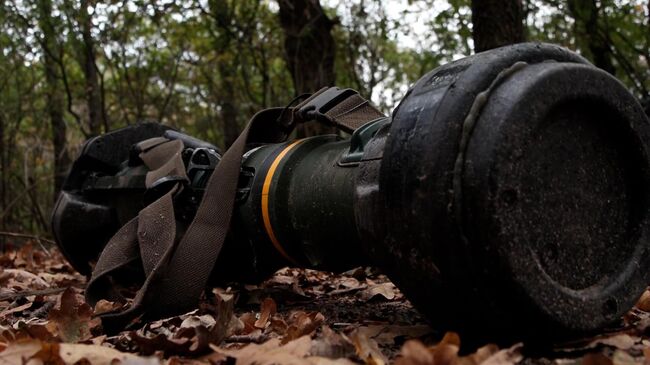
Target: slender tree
column 309, row 50
column 497, row 23
column 586, row 16
column 80, row 24
column 223, row 39
column 53, row 93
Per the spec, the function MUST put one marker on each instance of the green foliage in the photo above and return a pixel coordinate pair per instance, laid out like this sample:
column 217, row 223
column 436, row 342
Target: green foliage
column 205, row 66
column 621, row 27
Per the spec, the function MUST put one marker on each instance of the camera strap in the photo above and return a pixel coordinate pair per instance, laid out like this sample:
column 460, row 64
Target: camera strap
column 343, row 108
column 177, row 266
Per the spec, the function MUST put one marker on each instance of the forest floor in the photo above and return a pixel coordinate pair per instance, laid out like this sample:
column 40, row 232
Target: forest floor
column 295, row 317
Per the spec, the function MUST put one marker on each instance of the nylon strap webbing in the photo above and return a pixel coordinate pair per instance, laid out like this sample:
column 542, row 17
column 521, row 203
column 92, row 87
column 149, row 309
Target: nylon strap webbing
column 349, row 113
column 177, row 268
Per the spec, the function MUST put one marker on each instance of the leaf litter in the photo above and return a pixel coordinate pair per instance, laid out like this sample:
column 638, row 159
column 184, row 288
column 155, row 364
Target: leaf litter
column 297, row 316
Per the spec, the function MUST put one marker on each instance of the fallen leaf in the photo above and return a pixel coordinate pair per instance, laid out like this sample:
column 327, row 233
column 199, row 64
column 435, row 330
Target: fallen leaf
column 302, row 323
column 17, row 309
column 332, row 345
column 295, row 352
column 446, row 353
column 35, row 352
column 596, row 359
column 74, row 353
column 49, row 354
column 621, row 341
column 644, row 302
column 205, row 320
column 268, row 308
column 28, row 330
column 384, row 290
column 169, row 346
column 104, row 306
column 646, row 354
column 386, row 334
column 27, row 278
column 481, row 355
column 248, row 320
column 623, row 358
column 20, row 352
column 414, row 353
column 367, row 349
column 509, row 356
column 72, row 321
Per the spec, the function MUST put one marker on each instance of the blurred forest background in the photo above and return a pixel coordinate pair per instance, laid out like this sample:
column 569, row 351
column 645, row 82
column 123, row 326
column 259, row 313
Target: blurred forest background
column 72, row 69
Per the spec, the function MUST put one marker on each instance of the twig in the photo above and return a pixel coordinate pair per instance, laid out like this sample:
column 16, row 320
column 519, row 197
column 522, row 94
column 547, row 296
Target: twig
column 252, row 338
column 28, row 236
column 27, row 293
column 43, row 310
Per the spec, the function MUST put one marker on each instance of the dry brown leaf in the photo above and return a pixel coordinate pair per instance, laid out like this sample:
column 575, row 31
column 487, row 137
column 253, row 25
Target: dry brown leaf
column 205, row 320
column 268, row 308
column 17, row 309
column 450, row 338
column 623, row 358
column 20, row 352
column 348, row 282
column 596, row 359
column 72, row 321
column 384, row 290
column 509, row 356
column 302, row 323
column 169, row 346
column 446, row 353
column 386, row 334
column 414, row 353
column 278, row 325
column 644, row 302
column 367, row 349
column 621, row 341
column 295, row 352
column 271, row 352
column 49, row 354
column 248, row 319
column 332, row 345
column 193, row 335
column 104, row 306
column 73, row 353
column 26, row 278
column 213, row 358
column 35, row 352
column 646, row 354
column 481, row 355
column 279, row 279
column 29, row 330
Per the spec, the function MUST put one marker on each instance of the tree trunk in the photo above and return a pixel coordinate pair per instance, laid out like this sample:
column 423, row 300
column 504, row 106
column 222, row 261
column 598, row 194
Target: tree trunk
column 309, row 51
column 585, row 14
column 96, row 114
column 229, row 111
column 4, row 177
column 221, row 11
column 54, row 95
column 497, row 23
column 646, row 99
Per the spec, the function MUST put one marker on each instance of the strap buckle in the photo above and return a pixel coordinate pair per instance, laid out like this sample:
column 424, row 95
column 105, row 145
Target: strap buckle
column 316, row 107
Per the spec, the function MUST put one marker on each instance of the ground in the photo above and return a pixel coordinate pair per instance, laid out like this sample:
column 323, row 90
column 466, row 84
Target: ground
column 295, row 317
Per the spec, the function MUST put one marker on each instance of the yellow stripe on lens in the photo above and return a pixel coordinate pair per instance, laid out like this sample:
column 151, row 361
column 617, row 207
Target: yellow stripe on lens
column 265, row 201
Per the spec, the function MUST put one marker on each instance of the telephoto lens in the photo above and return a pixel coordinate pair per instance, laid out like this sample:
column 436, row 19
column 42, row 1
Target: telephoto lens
column 507, row 196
